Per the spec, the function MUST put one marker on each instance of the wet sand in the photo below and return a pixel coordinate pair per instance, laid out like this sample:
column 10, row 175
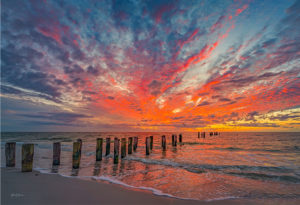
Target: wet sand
column 36, row 188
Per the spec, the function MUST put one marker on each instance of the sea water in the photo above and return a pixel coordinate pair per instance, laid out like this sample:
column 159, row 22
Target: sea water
column 230, row 165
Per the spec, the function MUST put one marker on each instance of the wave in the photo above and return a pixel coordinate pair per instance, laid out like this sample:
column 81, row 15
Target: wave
column 261, row 176
column 209, row 166
column 244, row 170
column 291, row 149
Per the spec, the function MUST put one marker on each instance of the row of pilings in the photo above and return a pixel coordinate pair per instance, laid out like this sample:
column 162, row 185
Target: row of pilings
column 131, row 144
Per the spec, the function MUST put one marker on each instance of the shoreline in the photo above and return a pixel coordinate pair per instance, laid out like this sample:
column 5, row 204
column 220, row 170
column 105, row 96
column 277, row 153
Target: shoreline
column 41, row 188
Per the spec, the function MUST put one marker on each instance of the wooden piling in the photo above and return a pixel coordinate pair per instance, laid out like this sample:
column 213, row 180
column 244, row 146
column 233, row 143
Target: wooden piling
column 130, row 145
column 123, row 147
column 163, row 142
column 175, row 140
column 76, row 155
column 10, row 154
column 116, row 150
column 180, row 138
column 135, row 143
column 27, row 157
column 80, row 141
column 107, row 151
column 99, row 149
column 151, row 142
column 56, row 153
column 147, row 145
column 198, row 134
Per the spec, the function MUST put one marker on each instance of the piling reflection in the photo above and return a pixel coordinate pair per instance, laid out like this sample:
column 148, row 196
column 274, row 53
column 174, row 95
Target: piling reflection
column 97, row 168
column 54, row 169
column 74, row 172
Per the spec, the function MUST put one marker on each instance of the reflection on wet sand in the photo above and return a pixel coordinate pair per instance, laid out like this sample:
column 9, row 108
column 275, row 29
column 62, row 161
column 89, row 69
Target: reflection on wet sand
column 97, row 168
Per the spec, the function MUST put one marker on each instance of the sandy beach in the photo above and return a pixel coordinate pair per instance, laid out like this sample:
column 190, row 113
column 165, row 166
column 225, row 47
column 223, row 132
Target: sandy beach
column 37, row 188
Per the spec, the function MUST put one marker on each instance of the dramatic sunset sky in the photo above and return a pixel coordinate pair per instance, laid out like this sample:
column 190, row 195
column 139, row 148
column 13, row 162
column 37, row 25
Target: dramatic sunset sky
column 138, row 65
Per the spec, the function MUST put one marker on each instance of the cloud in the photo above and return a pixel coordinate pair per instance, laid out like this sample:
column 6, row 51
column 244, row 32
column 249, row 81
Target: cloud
column 258, row 125
column 58, row 117
column 142, row 61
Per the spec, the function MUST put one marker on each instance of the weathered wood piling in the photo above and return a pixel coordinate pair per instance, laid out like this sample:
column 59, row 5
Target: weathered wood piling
column 151, row 142
column 130, row 145
column 10, row 154
column 56, row 153
column 27, row 157
column 135, row 143
column 123, row 148
column 107, row 150
column 180, row 138
column 76, row 154
column 147, row 145
column 116, row 150
column 198, row 134
column 174, row 140
column 163, row 142
column 99, row 149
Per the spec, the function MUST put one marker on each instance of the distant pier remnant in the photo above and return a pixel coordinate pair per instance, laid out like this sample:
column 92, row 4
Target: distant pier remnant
column 174, row 140
column 148, row 145
column 180, row 138
column 123, row 148
column 198, row 134
column 116, row 150
column 99, row 149
column 151, row 142
column 27, row 157
column 203, row 134
column 211, row 134
column 56, row 153
column 163, row 142
column 135, row 143
column 130, row 145
column 10, row 154
column 107, row 150
column 76, row 154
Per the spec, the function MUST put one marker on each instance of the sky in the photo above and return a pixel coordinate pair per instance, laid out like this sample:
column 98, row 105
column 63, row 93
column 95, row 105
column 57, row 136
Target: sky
column 138, row 65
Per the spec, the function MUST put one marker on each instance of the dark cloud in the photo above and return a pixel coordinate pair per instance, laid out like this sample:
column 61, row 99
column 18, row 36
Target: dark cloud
column 258, row 125
column 57, row 117
column 284, row 117
column 155, row 87
column 225, row 99
column 92, row 70
column 203, row 104
column 76, row 69
column 9, row 90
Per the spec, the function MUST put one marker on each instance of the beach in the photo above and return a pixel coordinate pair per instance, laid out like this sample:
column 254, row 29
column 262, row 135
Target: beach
column 36, row 188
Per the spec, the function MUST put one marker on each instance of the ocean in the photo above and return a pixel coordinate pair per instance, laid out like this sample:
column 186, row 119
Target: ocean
column 227, row 166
